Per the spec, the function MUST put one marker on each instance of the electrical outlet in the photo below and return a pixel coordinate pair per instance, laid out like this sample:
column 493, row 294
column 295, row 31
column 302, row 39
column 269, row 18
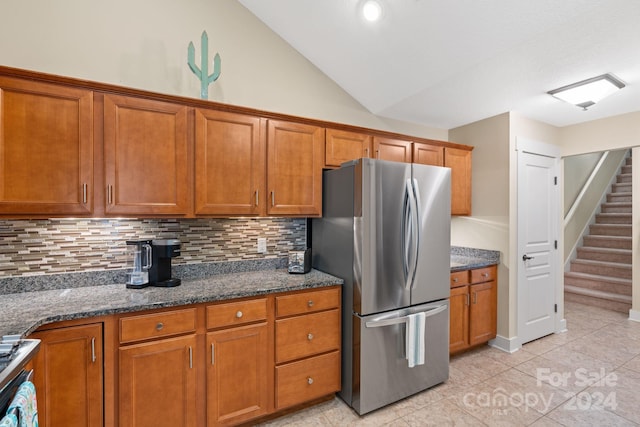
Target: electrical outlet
column 262, row 245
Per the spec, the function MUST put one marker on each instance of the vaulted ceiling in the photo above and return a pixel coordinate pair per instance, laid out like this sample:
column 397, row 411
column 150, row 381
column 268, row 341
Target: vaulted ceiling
column 445, row 63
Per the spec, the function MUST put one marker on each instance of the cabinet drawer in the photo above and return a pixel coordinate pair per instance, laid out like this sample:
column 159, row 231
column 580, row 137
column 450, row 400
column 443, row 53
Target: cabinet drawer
column 307, row 379
column 483, row 274
column 156, row 325
column 459, row 278
column 236, row 313
column 307, row 302
column 307, row 335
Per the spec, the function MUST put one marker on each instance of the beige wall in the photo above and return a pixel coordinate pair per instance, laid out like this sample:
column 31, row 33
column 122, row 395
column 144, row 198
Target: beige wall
column 488, row 227
column 143, row 44
column 621, row 131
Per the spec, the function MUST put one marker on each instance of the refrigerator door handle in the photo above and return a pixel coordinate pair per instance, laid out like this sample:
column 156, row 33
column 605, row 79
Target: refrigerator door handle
column 409, row 240
column 404, row 319
column 416, row 227
column 406, row 232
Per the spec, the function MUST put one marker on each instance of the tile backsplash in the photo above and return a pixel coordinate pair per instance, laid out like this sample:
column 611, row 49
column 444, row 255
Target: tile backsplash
column 35, row 247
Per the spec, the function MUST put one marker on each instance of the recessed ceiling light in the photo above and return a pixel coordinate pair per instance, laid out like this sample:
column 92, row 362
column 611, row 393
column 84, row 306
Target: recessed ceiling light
column 371, row 10
column 586, row 93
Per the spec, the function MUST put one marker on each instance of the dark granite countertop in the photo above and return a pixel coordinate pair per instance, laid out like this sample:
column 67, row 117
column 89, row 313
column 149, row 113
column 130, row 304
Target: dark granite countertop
column 22, row 313
column 469, row 258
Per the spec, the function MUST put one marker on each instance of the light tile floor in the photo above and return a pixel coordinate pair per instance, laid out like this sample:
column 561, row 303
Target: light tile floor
column 587, row 376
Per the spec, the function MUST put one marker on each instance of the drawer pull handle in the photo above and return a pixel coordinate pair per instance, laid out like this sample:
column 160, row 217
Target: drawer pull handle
column 310, row 303
column 239, row 314
column 159, row 326
column 485, row 274
column 309, row 380
column 310, row 337
column 455, row 279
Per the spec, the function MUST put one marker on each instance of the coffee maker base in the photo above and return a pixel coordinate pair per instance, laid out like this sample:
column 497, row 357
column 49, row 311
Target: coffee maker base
column 167, row 283
column 136, row 286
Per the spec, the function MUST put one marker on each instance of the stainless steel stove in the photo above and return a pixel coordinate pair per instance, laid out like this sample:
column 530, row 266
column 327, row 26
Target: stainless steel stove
column 15, row 353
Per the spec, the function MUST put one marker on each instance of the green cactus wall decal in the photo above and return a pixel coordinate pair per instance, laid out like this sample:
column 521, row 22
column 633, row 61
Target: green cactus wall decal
column 203, row 72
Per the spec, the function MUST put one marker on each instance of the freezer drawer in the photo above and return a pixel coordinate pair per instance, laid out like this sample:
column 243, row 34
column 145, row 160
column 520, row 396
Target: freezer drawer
column 381, row 371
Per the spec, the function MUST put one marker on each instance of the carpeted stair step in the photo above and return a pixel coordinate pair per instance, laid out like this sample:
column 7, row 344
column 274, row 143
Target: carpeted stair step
column 610, row 229
column 624, row 177
column 619, row 197
column 626, row 169
column 619, row 242
column 613, row 285
column 613, row 218
column 623, row 256
column 620, row 207
column 621, row 187
column 602, row 300
column 601, row 268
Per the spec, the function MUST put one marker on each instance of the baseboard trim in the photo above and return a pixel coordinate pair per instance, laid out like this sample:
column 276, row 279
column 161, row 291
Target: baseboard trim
column 562, row 326
column 634, row 315
column 509, row 345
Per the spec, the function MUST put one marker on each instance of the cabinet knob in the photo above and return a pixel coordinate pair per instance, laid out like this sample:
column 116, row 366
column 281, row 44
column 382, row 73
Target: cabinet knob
column 159, row 326
column 310, row 337
column 485, row 274
column 239, row 314
column 310, row 303
column 309, row 380
column 455, row 279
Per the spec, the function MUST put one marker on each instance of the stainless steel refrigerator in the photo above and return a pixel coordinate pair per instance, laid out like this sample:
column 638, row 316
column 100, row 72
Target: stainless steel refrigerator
column 385, row 230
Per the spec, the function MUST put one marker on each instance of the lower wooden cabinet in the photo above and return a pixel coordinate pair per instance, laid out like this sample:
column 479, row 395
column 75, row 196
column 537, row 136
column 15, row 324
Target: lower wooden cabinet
column 203, row 364
column 68, row 375
column 238, row 373
column 473, row 308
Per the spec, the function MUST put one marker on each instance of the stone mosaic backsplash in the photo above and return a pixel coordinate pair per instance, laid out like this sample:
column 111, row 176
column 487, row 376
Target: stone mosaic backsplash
column 37, row 247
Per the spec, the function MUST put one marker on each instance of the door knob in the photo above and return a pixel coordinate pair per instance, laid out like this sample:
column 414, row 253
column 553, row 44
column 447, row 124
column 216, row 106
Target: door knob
column 526, row 257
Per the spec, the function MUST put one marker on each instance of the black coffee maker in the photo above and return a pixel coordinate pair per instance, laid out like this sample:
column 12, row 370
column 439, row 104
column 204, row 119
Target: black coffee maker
column 162, row 250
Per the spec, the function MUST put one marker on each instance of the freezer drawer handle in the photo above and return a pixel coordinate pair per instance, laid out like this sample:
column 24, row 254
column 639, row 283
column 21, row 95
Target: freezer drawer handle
column 403, row 319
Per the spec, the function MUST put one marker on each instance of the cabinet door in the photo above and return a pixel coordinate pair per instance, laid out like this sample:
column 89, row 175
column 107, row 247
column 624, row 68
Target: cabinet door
column 396, row 150
column 482, row 312
column 68, row 376
column 145, row 156
column 157, row 383
column 459, row 319
column 342, row 146
column 230, row 164
column 426, row 154
column 294, row 168
column 46, row 149
column 460, row 163
column 237, row 374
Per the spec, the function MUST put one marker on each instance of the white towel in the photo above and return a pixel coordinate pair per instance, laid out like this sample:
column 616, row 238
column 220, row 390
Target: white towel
column 414, row 337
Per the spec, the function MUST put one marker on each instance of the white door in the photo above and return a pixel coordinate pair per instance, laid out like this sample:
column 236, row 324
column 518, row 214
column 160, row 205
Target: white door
column 537, row 242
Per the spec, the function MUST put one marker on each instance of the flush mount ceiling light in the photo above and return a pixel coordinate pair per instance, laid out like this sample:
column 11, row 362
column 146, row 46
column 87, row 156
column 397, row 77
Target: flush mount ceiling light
column 371, row 10
column 586, row 93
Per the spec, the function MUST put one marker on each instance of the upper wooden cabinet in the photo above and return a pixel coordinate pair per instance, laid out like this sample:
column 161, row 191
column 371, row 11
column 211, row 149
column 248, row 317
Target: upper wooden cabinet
column 460, row 163
column 396, row 150
column 230, row 153
column 426, row 154
column 145, row 157
column 342, row 146
column 46, row 149
column 294, row 168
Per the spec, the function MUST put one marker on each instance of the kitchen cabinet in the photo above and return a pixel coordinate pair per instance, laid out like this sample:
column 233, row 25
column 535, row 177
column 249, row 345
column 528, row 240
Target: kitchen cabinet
column 342, row 146
column 396, row 150
column 230, row 160
column 307, row 346
column 473, row 308
column 426, row 154
column 238, row 374
column 68, row 374
column 146, row 157
column 157, row 373
column 46, row 146
column 294, row 168
column 460, row 163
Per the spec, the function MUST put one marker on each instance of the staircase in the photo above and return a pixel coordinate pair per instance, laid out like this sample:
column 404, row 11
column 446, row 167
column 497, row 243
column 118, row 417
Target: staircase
column 601, row 274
